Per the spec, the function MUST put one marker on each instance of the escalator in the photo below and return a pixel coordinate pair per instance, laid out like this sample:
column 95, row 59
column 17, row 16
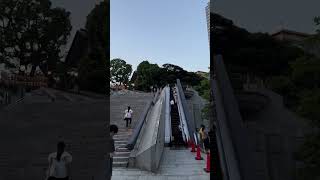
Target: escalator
column 175, row 122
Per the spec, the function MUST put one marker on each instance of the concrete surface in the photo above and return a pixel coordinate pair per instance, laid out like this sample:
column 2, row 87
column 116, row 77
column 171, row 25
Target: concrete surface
column 175, row 165
column 151, row 141
column 31, row 129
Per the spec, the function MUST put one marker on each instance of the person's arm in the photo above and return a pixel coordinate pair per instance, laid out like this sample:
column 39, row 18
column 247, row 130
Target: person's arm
column 68, row 159
column 68, row 165
column 112, row 148
column 49, row 165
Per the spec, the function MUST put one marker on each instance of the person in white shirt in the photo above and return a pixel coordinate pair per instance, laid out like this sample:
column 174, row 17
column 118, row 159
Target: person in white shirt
column 172, row 102
column 59, row 164
column 128, row 115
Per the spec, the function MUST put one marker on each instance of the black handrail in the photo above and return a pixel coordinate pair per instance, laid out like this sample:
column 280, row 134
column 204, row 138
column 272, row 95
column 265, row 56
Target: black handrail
column 232, row 121
column 133, row 139
column 190, row 123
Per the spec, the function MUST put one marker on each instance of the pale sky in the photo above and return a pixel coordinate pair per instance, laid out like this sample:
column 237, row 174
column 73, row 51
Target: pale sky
column 166, row 31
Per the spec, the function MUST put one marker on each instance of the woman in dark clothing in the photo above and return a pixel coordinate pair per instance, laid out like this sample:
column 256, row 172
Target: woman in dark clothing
column 113, row 131
column 205, row 138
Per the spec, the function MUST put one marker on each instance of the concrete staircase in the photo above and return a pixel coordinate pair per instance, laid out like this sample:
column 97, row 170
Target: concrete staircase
column 118, row 104
column 121, row 157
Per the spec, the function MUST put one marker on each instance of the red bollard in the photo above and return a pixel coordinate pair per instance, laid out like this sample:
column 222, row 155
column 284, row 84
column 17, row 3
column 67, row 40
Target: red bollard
column 198, row 157
column 193, row 148
column 207, row 169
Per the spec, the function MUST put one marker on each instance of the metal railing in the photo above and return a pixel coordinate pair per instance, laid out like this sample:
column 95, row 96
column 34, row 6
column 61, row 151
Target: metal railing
column 232, row 138
column 185, row 113
column 133, row 139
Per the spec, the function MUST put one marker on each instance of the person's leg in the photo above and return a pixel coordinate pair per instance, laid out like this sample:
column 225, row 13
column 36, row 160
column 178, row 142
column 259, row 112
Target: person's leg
column 130, row 120
column 126, row 122
column 206, row 145
column 111, row 162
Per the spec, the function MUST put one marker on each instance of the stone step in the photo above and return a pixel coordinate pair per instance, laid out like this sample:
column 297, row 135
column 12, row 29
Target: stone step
column 120, row 142
column 121, row 135
column 123, row 149
column 122, row 154
column 124, row 130
column 119, row 164
column 121, row 139
column 120, row 159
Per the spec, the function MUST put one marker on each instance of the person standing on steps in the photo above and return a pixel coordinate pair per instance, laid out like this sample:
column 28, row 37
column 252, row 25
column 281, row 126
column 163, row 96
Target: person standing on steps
column 128, row 115
column 172, row 103
column 205, row 138
column 113, row 131
column 59, row 164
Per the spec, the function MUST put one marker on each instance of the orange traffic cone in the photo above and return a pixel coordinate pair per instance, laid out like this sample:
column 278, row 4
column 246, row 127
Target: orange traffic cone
column 193, row 148
column 198, row 157
column 207, row 169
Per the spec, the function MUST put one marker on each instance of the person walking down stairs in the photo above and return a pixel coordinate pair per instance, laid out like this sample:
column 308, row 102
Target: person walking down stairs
column 128, row 116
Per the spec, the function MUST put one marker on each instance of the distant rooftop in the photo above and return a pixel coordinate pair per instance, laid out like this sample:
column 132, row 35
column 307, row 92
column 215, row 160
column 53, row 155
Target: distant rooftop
column 291, row 32
column 290, row 35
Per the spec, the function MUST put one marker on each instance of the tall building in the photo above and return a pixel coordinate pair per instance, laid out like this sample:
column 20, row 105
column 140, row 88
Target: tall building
column 208, row 19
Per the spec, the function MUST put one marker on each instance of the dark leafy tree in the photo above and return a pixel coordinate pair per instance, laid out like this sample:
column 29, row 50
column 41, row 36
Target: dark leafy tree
column 120, row 71
column 93, row 69
column 32, row 33
column 257, row 53
column 146, row 76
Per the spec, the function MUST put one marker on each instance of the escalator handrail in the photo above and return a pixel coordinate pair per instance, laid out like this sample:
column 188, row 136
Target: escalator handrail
column 133, row 139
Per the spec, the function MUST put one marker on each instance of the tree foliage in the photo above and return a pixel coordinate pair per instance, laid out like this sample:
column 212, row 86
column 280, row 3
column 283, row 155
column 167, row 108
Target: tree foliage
column 120, row 71
column 93, row 69
column 32, row 33
column 306, row 72
column 148, row 75
column 204, row 89
column 258, row 53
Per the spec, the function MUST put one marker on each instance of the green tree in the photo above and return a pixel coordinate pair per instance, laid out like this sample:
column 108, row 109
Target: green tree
column 146, row 76
column 120, row 71
column 305, row 74
column 32, row 32
column 98, row 27
column 93, row 73
column 257, row 53
column 204, row 89
column 93, row 69
column 170, row 73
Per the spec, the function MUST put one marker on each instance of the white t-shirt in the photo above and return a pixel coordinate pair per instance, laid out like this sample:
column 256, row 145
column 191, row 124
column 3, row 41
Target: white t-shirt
column 128, row 114
column 172, row 102
column 58, row 169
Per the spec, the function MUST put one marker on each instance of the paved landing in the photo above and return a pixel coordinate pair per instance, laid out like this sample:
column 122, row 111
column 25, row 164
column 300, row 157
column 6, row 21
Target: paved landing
column 175, row 165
